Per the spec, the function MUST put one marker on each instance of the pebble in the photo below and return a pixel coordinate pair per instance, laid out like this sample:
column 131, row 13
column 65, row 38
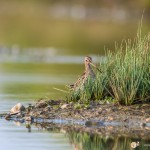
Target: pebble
column 17, row 108
column 7, row 117
column 28, row 118
column 41, row 104
column 64, row 106
column 110, row 118
column 147, row 128
column 147, row 119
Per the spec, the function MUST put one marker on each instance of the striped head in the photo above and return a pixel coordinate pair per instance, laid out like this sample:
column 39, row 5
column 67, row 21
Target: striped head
column 88, row 60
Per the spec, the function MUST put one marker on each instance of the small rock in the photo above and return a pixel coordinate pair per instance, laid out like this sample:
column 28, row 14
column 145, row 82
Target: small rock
column 110, row 118
column 134, row 144
column 54, row 102
column 47, row 109
column 17, row 108
column 147, row 128
column 7, row 117
column 41, row 104
column 90, row 107
column 147, row 119
column 107, row 102
column 108, row 110
column 29, row 107
column 28, row 118
column 93, row 123
column 64, row 106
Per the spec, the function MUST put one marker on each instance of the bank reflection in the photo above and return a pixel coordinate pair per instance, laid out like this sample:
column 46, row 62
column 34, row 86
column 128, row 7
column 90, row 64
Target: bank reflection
column 102, row 138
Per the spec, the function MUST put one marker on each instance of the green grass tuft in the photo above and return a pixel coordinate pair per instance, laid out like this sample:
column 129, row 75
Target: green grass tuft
column 125, row 75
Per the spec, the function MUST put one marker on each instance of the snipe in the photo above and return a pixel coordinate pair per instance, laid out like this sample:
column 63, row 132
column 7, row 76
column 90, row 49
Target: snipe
column 88, row 73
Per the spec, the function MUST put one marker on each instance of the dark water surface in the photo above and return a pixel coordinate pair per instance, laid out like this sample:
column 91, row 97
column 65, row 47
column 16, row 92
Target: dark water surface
column 26, row 83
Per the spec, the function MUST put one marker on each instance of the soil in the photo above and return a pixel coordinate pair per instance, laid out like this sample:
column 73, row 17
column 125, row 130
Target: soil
column 108, row 116
column 56, row 109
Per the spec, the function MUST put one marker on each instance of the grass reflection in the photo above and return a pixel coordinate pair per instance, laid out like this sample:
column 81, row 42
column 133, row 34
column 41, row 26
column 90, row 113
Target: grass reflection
column 89, row 141
column 99, row 138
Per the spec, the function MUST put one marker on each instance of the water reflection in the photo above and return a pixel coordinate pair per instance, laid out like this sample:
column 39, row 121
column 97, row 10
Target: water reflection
column 90, row 140
column 16, row 137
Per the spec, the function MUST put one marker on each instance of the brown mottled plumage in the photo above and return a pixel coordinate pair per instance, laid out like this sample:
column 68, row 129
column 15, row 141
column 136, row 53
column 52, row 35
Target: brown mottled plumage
column 87, row 73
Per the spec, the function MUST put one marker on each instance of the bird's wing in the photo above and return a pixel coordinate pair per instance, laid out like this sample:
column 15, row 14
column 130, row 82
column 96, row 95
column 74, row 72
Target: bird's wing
column 79, row 81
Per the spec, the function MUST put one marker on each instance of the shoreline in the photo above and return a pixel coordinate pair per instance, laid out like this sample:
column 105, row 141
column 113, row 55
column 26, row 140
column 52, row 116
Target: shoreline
column 95, row 115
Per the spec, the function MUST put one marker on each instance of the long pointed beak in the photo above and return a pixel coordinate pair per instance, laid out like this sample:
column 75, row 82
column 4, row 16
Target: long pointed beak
column 95, row 67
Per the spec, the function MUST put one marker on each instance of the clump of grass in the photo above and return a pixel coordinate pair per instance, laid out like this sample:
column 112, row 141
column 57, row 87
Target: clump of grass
column 125, row 76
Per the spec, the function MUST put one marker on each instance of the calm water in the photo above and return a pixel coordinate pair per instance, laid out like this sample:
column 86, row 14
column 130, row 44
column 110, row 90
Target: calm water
column 27, row 82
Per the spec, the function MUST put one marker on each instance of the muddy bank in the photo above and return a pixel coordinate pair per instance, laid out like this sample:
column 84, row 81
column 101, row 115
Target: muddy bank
column 94, row 114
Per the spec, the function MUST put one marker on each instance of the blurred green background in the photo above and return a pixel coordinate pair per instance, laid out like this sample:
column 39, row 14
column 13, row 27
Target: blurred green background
column 75, row 27
column 43, row 44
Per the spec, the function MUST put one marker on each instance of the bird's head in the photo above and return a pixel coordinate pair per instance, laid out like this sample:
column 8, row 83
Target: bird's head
column 88, row 60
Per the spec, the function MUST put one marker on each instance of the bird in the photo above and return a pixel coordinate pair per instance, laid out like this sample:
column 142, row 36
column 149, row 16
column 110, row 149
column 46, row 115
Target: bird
column 88, row 73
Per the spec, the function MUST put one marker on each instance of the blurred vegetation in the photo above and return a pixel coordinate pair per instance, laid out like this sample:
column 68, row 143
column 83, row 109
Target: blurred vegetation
column 95, row 3
column 34, row 23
